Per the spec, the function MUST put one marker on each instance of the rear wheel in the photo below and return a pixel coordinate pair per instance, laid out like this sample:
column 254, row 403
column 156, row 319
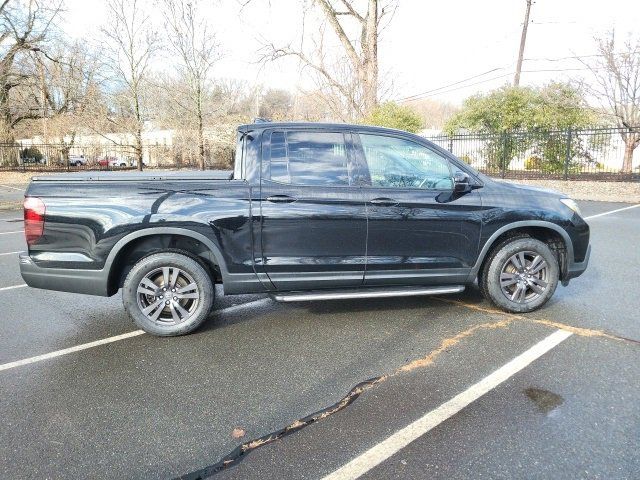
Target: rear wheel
column 521, row 275
column 168, row 294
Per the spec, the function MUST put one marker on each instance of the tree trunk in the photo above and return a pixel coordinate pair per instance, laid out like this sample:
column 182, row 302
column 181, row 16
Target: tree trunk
column 6, row 133
column 370, row 58
column 201, row 145
column 629, row 147
column 139, row 148
column 200, row 127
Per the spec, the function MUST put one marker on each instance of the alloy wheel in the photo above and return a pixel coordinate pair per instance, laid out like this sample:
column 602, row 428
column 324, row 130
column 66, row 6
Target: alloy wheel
column 524, row 277
column 168, row 295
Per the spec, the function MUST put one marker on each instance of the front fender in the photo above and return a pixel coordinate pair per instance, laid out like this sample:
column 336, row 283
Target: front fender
column 523, row 224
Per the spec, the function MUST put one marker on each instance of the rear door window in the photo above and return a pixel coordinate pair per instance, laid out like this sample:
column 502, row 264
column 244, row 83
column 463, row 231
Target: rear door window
column 308, row 158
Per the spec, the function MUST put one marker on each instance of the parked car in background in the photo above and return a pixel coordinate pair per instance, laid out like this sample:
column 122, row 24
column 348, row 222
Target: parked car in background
column 77, row 160
column 112, row 162
column 311, row 212
column 40, row 160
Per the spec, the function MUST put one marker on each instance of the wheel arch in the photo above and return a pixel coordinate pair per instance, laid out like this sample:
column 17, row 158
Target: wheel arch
column 548, row 232
column 143, row 242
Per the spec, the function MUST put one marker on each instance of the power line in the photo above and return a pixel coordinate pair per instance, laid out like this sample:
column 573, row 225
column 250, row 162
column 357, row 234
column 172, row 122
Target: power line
column 438, row 92
column 553, row 23
column 465, row 86
column 411, row 97
column 573, row 57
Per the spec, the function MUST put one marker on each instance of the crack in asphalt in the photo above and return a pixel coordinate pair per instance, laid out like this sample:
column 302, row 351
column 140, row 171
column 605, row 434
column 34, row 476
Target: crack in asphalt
column 450, row 342
column 579, row 331
column 241, row 451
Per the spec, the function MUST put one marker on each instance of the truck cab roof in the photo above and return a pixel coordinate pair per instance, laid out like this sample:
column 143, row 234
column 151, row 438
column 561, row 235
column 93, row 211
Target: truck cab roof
column 319, row 126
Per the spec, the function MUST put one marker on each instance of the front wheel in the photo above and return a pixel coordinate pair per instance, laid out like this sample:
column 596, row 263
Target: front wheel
column 521, row 275
column 168, row 294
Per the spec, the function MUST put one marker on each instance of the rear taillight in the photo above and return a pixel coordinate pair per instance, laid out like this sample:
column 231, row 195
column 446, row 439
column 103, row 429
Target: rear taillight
column 33, row 219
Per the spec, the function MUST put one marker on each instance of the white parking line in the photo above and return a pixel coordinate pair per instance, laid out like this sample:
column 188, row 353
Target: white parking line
column 9, row 253
column 12, row 188
column 15, row 231
column 77, row 348
column 116, row 338
column 611, row 211
column 385, row 449
column 13, row 286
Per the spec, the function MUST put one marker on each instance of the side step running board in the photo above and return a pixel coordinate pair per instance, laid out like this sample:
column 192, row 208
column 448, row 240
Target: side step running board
column 365, row 293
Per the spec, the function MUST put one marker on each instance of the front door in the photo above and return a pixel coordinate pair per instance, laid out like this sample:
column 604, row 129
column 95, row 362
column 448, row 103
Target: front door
column 420, row 232
column 313, row 217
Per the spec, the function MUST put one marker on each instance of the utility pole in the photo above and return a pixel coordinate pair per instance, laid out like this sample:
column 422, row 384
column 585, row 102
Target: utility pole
column 523, row 39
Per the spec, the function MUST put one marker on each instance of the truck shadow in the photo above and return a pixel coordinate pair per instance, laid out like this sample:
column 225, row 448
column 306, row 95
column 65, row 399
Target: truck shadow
column 221, row 318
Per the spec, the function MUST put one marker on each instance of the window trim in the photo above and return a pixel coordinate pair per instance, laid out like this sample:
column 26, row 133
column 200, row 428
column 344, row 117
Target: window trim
column 349, row 146
column 369, row 183
column 239, row 165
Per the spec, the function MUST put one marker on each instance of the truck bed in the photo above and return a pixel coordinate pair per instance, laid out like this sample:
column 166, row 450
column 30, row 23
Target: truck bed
column 135, row 176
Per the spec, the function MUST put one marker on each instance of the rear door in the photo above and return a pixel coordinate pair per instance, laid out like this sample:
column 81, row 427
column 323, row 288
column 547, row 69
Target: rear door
column 313, row 216
column 420, row 232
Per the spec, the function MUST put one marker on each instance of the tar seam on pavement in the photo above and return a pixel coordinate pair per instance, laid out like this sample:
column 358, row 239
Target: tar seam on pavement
column 582, row 332
column 241, row 451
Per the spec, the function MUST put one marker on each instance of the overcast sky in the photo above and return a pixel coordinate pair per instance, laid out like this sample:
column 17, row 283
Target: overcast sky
column 427, row 45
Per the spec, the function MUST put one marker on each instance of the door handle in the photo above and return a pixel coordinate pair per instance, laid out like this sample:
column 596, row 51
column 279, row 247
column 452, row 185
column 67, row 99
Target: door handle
column 281, row 199
column 384, row 202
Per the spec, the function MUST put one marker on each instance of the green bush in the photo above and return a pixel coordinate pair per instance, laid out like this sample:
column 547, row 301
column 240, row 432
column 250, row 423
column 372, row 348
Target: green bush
column 499, row 113
column 392, row 115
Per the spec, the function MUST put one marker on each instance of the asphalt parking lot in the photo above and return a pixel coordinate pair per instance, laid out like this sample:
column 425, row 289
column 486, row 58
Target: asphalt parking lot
column 10, row 194
column 457, row 389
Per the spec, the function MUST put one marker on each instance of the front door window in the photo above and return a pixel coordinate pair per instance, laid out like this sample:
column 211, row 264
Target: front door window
column 399, row 163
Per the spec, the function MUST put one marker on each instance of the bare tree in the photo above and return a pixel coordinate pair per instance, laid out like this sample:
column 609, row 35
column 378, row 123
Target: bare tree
column 132, row 42
column 435, row 113
column 275, row 104
column 358, row 31
column 24, row 29
column 616, row 86
column 193, row 42
column 70, row 85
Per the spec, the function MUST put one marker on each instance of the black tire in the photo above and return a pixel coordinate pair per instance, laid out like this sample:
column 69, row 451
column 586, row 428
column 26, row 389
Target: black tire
column 520, row 290
column 191, row 294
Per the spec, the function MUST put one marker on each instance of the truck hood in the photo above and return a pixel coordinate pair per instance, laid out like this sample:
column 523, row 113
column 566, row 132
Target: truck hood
column 515, row 187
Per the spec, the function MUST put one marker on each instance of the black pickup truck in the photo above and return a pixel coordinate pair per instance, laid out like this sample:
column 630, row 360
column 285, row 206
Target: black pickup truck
column 310, row 212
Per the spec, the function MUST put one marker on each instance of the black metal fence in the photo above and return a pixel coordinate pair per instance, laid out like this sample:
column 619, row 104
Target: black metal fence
column 49, row 157
column 595, row 154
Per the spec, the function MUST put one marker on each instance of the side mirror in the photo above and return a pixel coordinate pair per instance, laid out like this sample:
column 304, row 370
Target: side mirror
column 461, row 183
